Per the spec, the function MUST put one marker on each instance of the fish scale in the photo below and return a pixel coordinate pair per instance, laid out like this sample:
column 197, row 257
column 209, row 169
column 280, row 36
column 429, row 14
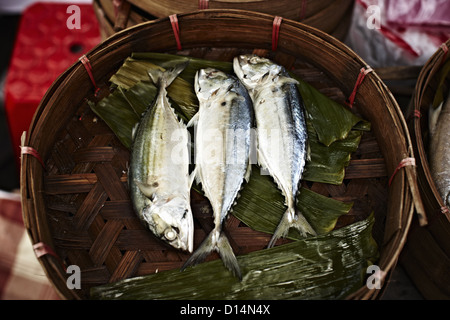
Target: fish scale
column 159, row 169
column 281, row 132
column 222, row 154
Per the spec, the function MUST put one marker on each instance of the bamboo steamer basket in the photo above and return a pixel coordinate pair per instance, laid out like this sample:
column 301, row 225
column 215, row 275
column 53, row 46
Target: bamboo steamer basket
column 79, row 207
column 330, row 16
column 426, row 257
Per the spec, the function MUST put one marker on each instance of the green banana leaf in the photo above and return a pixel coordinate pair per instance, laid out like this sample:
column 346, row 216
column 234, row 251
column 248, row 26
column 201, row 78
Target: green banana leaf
column 329, row 156
column 328, row 163
column 333, row 136
column 122, row 109
column 261, row 206
column 331, row 120
column 327, row 120
column 330, row 266
column 167, row 61
column 261, row 203
column 180, row 91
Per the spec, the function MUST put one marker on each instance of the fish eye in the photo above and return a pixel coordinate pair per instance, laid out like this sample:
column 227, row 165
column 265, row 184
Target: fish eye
column 171, row 233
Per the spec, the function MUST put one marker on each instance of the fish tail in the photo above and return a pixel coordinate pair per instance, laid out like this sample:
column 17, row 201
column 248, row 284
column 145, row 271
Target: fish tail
column 216, row 241
column 165, row 78
column 291, row 219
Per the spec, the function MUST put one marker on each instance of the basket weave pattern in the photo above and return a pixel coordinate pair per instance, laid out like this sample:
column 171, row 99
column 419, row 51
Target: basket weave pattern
column 79, row 204
column 93, row 224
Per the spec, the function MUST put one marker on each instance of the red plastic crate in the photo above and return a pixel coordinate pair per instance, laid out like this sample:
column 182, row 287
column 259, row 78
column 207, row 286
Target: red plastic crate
column 44, row 48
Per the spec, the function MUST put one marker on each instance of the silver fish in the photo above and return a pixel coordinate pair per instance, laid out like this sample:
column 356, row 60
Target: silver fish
column 281, row 132
column 159, row 177
column 440, row 148
column 222, row 148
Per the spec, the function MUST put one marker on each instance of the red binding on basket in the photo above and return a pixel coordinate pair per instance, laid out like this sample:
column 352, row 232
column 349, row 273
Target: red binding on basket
column 203, row 4
column 276, row 32
column 405, row 162
column 362, row 74
column 176, row 29
column 87, row 65
column 415, row 114
column 41, row 249
column 33, row 152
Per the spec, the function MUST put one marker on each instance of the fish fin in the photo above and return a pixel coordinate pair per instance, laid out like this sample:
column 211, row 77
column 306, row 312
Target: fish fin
column 433, row 116
column 193, row 121
column 197, row 176
column 291, row 219
column 155, row 75
column 192, row 177
column 216, row 241
column 196, row 86
column 264, row 168
column 282, row 80
column 227, row 255
column 261, row 159
column 248, row 172
column 134, row 130
column 308, row 151
column 147, row 189
column 165, row 78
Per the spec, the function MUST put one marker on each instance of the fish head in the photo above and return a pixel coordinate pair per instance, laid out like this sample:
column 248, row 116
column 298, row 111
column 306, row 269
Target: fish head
column 253, row 70
column 171, row 220
column 208, row 82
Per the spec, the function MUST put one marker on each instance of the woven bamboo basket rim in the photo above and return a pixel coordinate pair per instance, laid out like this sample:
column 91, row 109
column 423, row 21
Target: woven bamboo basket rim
column 426, row 256
column 206, row 29
column 330, row 16
column 426, row 85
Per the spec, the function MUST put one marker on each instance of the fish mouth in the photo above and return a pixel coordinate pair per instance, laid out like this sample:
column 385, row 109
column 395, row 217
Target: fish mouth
column 181, row 238
column 171, row 223
column 187, row 247
column 186, row 240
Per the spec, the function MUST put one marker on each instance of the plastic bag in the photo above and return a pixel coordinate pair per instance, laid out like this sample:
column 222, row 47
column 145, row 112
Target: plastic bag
column 398, row 33
column 433, row 15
